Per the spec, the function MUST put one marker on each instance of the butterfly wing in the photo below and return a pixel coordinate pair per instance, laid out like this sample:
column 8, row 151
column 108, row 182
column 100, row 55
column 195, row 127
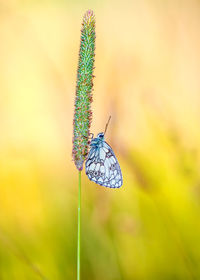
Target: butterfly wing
column 103, row 168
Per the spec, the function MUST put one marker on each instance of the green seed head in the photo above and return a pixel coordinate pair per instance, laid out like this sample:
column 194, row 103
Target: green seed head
column 84, row 87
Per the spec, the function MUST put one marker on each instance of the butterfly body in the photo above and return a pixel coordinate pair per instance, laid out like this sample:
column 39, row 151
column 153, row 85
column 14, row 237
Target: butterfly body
column 101, row 165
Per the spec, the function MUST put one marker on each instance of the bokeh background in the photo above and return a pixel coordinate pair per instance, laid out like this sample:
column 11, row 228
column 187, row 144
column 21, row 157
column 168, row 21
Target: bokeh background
column 147, row 79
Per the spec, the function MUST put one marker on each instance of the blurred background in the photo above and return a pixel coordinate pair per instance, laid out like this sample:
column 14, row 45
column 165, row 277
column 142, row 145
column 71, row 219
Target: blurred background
column 147, row 79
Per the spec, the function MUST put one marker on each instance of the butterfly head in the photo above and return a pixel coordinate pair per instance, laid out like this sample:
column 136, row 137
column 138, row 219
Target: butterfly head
column 100, row 135
column 95, row 142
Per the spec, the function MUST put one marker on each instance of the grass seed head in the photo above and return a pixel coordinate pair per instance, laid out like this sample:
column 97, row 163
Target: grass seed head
column 84, row 87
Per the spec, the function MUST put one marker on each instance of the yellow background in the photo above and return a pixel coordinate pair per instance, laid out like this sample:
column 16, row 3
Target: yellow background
column 147, row 79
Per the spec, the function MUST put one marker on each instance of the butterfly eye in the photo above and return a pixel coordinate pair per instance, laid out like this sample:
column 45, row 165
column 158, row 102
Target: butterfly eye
column 101, row 135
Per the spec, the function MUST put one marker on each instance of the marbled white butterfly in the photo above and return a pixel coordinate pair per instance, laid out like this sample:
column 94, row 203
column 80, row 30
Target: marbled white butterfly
column 101, row 165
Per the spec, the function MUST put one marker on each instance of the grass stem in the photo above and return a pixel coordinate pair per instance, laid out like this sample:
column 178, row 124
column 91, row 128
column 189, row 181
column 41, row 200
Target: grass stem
column 79, row 227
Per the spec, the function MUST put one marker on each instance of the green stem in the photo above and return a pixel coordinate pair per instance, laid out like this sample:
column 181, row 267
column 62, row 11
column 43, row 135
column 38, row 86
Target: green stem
column 79, row 227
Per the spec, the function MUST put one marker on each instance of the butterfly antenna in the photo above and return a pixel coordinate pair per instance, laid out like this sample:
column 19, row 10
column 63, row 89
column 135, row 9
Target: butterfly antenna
column 107, row 125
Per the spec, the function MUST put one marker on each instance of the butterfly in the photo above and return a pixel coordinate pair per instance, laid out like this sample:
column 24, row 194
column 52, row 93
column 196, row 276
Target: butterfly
column 101, row 165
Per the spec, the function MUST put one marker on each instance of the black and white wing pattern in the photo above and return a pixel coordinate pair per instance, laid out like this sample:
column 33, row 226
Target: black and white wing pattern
column 102, row 167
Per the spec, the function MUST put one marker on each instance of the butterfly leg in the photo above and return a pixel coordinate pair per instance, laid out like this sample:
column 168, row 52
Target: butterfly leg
column 92, row 135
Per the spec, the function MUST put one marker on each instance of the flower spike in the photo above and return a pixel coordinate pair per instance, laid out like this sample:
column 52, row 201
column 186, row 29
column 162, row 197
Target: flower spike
column 84, row 87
